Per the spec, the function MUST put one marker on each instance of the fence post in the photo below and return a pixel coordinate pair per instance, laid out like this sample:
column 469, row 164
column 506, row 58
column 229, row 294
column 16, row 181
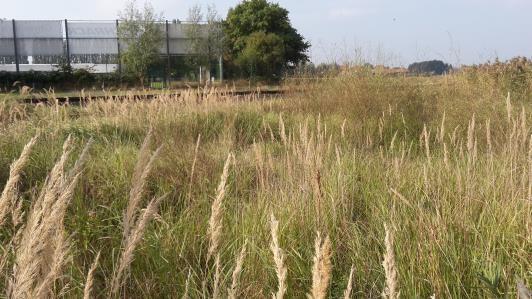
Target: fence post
column 221, row 66
column 166, row 73
column 118, row 51
column 15, row 46
column 67, row 43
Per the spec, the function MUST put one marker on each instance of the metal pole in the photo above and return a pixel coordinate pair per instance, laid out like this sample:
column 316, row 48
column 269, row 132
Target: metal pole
column 15, row 46
column 167, row 80
column 221, row 66
column 67, row 43
column 118, row 49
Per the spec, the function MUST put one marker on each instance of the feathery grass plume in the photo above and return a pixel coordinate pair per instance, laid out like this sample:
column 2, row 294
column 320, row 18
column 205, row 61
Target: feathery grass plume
column 59, row 259
column 17, row 213
column 215, row 222
column 89, row 282
column 321, row 270
column 187, row 284
column 279, row 258
column 38, row 261
column 233, row 291
column 131, row 243
column 135, row 195
column 342, row 130
column 392, row 143
column 390, row 269
column 138, row 182
column 9, row 194
column 217, row 277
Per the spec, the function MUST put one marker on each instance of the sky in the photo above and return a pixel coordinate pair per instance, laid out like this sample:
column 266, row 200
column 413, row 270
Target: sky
column 391, row 32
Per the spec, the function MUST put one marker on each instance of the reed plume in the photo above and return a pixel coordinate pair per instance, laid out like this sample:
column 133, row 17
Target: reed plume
column 138, row 183
column 89, row 282
column 9, row 194
column 390, row 269
column 279, row 259
column 131, row 243
column 321, row 270
column 217, row 277
column 214, row 230
column 233, row 290
column 43, row 248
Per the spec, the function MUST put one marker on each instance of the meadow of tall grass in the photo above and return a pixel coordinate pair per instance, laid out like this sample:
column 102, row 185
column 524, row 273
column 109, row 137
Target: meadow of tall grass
column 355, row 186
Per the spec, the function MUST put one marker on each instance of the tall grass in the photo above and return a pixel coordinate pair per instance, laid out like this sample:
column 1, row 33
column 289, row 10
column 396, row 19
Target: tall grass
column 444, row 162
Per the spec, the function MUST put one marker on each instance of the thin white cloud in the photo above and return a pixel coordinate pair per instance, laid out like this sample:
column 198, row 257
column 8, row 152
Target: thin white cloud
column 345, row 12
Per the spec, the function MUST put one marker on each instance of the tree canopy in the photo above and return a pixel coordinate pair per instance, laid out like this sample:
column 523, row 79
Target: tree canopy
column 143, row 38
column 262, row 55
column 253, row 16
column 433, row 67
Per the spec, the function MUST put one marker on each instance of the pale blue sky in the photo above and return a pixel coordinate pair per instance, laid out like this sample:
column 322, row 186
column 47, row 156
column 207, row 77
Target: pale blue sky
column 394, row 32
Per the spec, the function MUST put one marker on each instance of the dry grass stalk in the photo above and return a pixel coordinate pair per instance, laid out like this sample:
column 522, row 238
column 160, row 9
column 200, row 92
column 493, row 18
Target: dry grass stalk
column 217, row 277
column 38, row 262
column 193, row 166
column 279, row 259
column 9, row 194
column 214, row 230
column 349, row 288
column 187, row 284
column 426, row 137
column 509, row 108
column 131, row 243
column 441, row 135
column 445, row 155
column 89, row 282
column 233, row 291
column 282, row 130
column 321, row 270
column 390, row 269
column 471, row 137
column 530, row 168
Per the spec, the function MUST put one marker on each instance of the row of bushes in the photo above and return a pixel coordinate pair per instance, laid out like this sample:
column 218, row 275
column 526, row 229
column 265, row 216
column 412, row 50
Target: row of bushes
column 76, row 79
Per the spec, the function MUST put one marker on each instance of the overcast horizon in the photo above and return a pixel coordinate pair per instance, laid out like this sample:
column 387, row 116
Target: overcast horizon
column 379, row 32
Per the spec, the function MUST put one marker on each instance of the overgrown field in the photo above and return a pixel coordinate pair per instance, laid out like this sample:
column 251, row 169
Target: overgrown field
column 359, row 185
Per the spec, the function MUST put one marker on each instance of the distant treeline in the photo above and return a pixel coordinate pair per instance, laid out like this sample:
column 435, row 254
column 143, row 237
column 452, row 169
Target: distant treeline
column 432, row 67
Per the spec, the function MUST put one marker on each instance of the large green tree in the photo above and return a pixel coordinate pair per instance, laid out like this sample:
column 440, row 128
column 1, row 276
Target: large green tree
column 252, row 16
column 141, row 37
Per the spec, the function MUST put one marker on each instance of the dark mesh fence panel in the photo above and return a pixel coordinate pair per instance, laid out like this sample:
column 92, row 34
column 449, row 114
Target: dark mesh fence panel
column 7, row 48
column 39, row 37
column 92, row 38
